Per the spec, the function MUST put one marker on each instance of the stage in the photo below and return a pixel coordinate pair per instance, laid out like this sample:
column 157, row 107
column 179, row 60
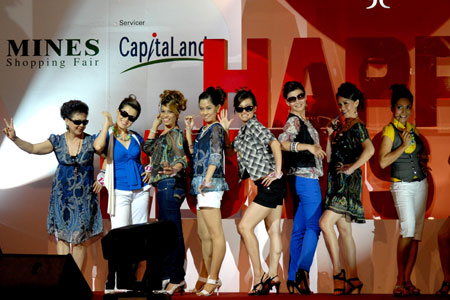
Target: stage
column 236, row 296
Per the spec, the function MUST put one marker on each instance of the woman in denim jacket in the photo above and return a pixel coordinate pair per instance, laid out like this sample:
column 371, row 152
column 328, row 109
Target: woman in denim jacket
column 208, row 184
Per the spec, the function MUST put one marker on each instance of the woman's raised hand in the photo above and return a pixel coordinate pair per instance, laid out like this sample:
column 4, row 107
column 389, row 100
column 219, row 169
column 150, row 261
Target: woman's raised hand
column 9, row 130
column 189, row 122
column 108, row 118
column 223, row 119
column 156, row 122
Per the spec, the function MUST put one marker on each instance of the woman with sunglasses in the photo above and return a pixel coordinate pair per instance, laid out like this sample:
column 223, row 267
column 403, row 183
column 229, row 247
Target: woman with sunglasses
column 403, row 149
column 209, row 184
column 303, row 160
column 74, row 214
column 168, row 161
column 259, row 157
column 348, row 148
column 125, row 177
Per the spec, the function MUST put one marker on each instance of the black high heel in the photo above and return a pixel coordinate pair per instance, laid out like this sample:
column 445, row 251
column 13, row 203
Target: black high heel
column 268, row 284
column 302, row 282
column 445, row 288
column 352, row 286
column 290, row 286
column 339, row 276
column 272, row 283
column 258, row 288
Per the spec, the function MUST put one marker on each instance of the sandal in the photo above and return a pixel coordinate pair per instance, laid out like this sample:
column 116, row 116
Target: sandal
column 410, row 289
column 445, row 288
column 302, row 282
column 353, row 287
column 201, row 281
column 340, row 276
column 269, row 283
column 399, row 291
column 258, row 289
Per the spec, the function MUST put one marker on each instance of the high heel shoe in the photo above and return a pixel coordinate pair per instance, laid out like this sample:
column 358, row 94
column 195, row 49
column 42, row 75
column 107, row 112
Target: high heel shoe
column 353, row 287
column 269, row 283
column 445, row 288
column 341, row 277
column 175, row 287
column 217, row 284
column 410, row 289
column 302, row 282
column 201, row 280
column 399, row 291
column 258, row 288
column 290, row 284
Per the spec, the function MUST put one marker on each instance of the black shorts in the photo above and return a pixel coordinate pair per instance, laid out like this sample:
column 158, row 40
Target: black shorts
column 272, row 195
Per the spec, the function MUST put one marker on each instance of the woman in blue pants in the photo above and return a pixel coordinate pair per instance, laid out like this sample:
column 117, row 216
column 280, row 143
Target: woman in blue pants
column 304, row 157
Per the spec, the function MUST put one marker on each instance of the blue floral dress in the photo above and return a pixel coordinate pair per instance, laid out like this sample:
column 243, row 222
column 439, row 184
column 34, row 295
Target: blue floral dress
column 208, row 150
column 74, row 212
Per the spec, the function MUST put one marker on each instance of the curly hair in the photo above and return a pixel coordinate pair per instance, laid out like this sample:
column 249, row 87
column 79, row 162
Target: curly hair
column 71, row 107
column 174, row 100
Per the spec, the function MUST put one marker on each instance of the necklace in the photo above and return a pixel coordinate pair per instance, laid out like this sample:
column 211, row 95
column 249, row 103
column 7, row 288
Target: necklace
column 348, row 124
column 69, row 147
column 116, row 133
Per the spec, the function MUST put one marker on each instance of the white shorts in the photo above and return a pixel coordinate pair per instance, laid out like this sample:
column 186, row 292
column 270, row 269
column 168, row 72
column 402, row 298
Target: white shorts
column 410, row 199
column 210, row 199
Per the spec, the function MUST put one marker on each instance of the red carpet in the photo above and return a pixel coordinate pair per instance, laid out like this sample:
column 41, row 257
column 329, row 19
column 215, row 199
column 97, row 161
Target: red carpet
column 273, row 296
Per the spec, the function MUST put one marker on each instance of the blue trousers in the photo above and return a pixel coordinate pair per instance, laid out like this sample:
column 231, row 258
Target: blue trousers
column 170, row 195
column 305, row 231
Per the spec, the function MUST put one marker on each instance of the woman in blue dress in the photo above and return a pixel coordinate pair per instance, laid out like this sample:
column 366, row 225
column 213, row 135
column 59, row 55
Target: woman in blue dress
column 74, row 214
column 208, row 184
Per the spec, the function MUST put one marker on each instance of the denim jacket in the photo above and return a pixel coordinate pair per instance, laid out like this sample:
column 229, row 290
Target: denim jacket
column 208, row 150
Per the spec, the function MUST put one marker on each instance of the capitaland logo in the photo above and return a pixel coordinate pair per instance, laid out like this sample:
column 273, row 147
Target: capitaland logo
column 40, row 53
column 374, row 3
column 158, row 51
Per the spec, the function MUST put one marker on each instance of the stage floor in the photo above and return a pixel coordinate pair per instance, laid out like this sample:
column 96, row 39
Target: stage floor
column 273, row 296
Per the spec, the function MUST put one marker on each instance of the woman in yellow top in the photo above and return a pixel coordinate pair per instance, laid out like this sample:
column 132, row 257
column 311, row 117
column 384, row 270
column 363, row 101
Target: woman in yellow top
column 403, row 150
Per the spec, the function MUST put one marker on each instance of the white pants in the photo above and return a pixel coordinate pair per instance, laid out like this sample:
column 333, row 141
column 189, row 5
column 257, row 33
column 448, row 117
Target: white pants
column 131, row 208
column 410, row 199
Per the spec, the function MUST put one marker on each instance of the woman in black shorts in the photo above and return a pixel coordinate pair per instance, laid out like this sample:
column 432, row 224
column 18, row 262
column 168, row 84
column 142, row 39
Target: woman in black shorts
column 259, row 157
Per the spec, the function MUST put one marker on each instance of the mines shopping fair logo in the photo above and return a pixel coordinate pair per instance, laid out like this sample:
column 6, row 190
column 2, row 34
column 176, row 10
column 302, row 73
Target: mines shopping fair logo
column 48, row 53
column 156, row 51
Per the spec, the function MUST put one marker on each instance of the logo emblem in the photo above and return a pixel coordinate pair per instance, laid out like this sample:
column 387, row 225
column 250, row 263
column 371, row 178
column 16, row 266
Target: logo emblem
column 374, row 3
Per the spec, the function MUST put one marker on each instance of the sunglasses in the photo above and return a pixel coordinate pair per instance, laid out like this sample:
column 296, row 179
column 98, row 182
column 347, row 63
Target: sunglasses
column 295, row 98
column 247, row 108
column 79, row 122
column 126, row 115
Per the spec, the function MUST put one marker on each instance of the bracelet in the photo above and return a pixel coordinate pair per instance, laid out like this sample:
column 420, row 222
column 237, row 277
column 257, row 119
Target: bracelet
column 101, row 177
column 206, row 183
column 148, row 168
column 153, row 131
column 276, row 175
column 294, row 146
